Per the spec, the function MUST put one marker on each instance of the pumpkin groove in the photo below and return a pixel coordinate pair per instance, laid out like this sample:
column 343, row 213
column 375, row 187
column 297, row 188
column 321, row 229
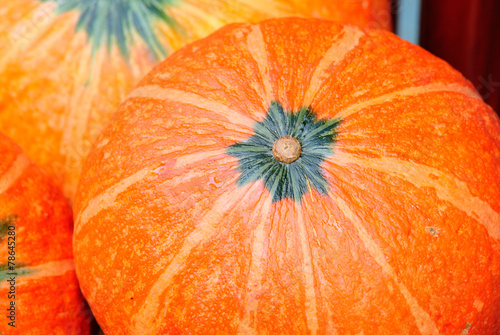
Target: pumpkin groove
column 182, row 97
column 342, row 45
column 413, row 150
column 413, row 91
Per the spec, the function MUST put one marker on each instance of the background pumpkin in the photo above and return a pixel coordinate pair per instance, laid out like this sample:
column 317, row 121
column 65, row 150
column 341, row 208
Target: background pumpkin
column 66, row 65
column 388, row 223
column 47, row 296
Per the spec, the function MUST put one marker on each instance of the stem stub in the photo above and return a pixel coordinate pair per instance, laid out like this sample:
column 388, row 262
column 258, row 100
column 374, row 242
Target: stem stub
column 287, row 149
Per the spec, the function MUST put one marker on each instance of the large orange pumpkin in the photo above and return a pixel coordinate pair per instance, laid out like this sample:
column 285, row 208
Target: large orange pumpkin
column 66, row 65
column 294, row 177
column 39, row 292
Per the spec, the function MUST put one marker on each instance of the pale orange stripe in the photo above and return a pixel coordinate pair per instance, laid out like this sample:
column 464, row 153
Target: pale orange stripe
column 256, row 274
column 197, row 157
column 49, row 269
column 448, row 187
column 343, row 43
column 308, row 271
column 14, row 172
column 79, row 107
column 152, row 312
column 422, row 318
column 257, row 48
column 51, row 38
column 177, row 151
column 193, row 172
column 28, row 31
column 193, row 99
column 103, row 143
column 108, row 197
column 411, row 91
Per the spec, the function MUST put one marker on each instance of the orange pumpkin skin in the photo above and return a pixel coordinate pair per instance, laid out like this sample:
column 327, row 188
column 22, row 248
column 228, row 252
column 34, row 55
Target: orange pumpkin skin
column 36, row 230
column 59, row 87
column 404, row 239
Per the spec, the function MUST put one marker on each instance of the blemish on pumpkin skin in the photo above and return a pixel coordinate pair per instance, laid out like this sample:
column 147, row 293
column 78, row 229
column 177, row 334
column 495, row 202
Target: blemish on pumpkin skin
column 103, row 143
column 433, row 176
column 465, row 331
column 214, row 183
column 164, row 167
column 433, row 231
column 129, row 295
column 239, row 34
column 478, row 304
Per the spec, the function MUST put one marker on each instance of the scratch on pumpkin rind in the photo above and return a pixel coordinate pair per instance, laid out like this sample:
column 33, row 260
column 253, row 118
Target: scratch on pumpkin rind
column 343, row 43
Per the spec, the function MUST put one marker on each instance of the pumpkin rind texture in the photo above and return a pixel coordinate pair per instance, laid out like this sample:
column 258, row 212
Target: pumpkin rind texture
column 39, row 291
column 66, row 65
column 387, row 223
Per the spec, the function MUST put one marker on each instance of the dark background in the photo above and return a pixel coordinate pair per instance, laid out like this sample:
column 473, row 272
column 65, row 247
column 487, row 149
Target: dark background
column 465, row 33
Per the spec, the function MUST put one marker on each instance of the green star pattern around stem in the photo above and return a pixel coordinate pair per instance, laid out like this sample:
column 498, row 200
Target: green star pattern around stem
column 114, row 21
column 282, row 180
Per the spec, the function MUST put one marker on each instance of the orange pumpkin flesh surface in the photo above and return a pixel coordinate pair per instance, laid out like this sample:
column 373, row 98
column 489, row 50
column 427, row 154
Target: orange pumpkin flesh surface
column 387, row 223
column 67, row 64
column 38, row 279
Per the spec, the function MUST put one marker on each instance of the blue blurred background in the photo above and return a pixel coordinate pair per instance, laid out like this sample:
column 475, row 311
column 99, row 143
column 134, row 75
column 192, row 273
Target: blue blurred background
column 407, row 23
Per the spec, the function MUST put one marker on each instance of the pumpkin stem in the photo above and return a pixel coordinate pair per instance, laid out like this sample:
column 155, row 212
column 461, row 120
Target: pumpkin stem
column 287, row 149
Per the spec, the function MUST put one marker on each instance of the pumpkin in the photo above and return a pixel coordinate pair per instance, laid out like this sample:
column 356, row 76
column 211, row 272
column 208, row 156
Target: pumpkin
column 68, row 64
column 39, row 291
column 296, row 176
